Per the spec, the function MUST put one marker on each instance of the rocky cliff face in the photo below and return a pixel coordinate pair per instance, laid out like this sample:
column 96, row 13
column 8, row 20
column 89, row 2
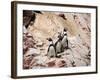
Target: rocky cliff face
column 49, row 25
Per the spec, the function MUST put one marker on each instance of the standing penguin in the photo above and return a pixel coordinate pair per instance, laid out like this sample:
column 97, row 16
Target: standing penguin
column 51, row 49
column 65, row 39
column 58, row 45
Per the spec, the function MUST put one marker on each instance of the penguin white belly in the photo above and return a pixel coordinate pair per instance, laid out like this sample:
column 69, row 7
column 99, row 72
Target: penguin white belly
column 58, row 47
column 51, row 51
column 64, row 41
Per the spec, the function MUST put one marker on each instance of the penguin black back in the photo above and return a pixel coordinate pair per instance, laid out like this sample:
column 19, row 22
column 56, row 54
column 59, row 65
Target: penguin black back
column 65, row 39
column 58, row 45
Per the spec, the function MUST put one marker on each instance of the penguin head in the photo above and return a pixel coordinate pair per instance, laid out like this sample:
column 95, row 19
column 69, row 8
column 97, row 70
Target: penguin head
column 59, row 36
column 65, row 30
column 50, row 40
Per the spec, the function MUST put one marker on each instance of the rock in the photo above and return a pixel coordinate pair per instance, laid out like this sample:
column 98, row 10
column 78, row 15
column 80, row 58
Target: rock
column 41, row 59
column 51, row 62
column 25, row 49
column 29, row 35
column 24, row 29
column 28, row 42
column 39, row 44
column 25, row 66
column 38, row 62
column 49, row 25
column 80, row 62
column 26, row 62
column 32, row 51
column 32, row 64
column 60, row 63
column 63, row 16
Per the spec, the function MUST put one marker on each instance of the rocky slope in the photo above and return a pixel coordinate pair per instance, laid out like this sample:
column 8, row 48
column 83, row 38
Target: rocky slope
column 48, row 25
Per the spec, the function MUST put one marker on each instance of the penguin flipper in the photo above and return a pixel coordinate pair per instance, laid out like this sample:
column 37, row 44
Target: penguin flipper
column 67, row 43
column 48, row 51
column 55, row 45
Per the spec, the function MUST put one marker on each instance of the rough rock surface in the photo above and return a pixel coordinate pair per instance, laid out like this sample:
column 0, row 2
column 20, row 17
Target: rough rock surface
column 49, row 24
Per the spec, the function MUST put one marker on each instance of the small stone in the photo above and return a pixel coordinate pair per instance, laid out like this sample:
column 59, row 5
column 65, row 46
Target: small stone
column 51, row 62
column 60, row 63
column 32, row 51
column 39, row 44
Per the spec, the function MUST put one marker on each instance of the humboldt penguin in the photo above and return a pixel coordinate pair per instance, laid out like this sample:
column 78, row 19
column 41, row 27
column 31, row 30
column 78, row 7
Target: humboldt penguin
column 65, row 39
column 51, row 49
column 58, row 45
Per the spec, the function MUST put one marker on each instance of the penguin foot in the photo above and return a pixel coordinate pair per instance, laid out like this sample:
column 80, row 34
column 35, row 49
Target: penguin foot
column 67, row 47
column 51, row 56
column 58, row 56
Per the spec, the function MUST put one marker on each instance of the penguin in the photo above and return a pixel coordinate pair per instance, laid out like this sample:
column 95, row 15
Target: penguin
column 58, row 45
column 51, row 49
column 65, row 39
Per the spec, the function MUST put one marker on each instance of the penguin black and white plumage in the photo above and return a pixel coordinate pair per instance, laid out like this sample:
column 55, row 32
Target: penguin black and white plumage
column 64, row 31
column 51, row 49
column 65, row 39
column 58, row 44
